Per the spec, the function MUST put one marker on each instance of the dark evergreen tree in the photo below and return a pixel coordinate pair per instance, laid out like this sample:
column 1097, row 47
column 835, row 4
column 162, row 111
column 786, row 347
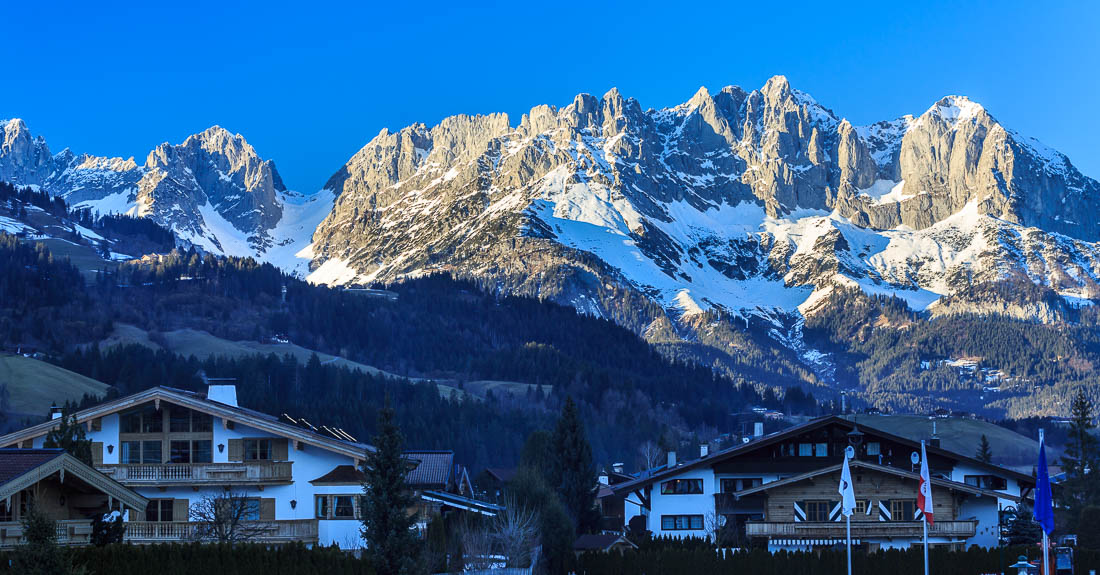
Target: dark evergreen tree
column 107, row 529
column 1022, row 528
column 40, row 554
column 1080, row 462
column 1088, row 528
column 573, row 473
column 539, row 454
column 391, row 544
column 69, row 435
column 530, row 490
column 985, row 452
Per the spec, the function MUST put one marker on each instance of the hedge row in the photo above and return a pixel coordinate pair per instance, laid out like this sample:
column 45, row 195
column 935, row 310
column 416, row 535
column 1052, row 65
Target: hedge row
column 696, row 560
column 200, row 559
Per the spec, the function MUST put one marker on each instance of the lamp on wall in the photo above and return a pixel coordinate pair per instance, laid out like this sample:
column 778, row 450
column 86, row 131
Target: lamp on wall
column 110, row 449
column 61, row 501
column 221, row 447
column 293, row 503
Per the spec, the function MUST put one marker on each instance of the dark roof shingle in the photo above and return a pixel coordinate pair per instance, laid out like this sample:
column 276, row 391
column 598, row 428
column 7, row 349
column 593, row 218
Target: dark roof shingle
column 15, row 463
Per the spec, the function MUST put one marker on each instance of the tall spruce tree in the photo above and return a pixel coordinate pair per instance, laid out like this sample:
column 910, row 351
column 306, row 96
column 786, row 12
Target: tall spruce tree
column 1081, row 463
column 392, row 545
column 574, row 474
column 985, row 452
column 69, row 435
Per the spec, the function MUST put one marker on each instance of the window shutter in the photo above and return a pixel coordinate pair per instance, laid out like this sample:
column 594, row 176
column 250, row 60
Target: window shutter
column 97, row 453
column 180, row 510
column 279, row 450
column 267, row 509
column 236, row 450
column 799, row 511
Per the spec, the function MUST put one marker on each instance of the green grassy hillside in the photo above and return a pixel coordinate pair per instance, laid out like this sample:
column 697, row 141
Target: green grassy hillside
column 201, row 344
column 33, row 385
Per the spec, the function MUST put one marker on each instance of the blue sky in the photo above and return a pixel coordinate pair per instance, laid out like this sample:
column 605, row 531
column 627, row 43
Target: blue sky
column 309, row 83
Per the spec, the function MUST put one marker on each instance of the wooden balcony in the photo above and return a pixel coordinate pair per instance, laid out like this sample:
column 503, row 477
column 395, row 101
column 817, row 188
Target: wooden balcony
column 165, row 474
column 69, row 532
column 141, row 532
column 79, row 531
column 860, row 529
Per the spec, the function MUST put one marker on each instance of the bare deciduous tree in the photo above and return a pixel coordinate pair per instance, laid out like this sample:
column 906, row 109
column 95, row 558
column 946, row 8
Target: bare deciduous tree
column 516, row 529
column 477, row 544
column 651, row 454
column 225, row 517
column 506, row 540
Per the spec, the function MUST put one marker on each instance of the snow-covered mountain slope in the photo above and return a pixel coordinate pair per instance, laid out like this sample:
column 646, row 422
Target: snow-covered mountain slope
column 213, row 191
column 747, row 203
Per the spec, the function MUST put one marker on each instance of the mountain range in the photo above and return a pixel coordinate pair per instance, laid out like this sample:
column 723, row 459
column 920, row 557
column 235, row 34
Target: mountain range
column 737, row 208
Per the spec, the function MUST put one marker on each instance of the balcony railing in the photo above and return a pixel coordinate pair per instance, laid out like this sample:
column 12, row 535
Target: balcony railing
column 304, row 530
column 79, row 531
column 860, row 529
column 199, row 473
column 69, row 531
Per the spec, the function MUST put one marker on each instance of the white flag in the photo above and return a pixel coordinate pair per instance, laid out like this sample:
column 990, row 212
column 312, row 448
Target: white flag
column 847, row 492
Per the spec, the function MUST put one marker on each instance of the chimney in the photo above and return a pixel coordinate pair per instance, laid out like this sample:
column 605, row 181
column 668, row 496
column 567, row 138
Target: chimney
column 55, row 412
column 671, row 459
column 617, row 467
column 704, row 450
column 758, row 429
column 935, row 442
column 222, row 391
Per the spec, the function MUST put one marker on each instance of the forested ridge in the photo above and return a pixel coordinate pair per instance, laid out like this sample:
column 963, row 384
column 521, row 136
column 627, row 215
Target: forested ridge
column 901, row 360
column 438, row 327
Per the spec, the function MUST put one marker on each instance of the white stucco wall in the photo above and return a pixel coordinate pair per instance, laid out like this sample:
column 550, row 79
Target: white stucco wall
column 702, row 504
column 308, row 463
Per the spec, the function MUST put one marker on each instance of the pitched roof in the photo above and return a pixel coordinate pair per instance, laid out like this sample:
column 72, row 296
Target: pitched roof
column 599, row 542
column 15, row 463
column 856, row 464
column 501, row 474
column 434, row 468
column 779, row 436
column 341, row 475
column 199, row 402
column 22, row 468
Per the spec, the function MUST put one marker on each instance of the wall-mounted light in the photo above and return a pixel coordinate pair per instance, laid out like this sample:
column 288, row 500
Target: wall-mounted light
column 293, row 503
column 61, row 501
column 110, row 449
column 221, row 447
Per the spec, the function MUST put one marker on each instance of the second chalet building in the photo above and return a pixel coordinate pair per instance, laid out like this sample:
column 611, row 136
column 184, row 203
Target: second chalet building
column 782, row 488
column 175, row 447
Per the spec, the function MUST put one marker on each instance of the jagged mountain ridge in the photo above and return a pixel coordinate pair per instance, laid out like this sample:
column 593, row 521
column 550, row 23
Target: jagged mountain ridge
column 213, row 190
column 746, row 202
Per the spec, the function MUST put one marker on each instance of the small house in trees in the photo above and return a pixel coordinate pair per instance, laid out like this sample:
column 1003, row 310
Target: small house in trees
column 61, row 487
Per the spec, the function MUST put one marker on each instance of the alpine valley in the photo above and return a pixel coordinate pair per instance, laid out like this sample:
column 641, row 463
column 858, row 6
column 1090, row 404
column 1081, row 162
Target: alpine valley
column 938, row 259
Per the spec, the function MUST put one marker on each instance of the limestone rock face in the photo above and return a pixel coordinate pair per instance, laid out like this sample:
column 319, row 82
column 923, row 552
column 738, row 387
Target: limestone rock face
column 213, row 190
column 739, row 201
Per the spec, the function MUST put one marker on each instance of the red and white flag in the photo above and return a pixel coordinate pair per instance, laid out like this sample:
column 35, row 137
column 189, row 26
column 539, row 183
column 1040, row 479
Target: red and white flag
column 924, row 494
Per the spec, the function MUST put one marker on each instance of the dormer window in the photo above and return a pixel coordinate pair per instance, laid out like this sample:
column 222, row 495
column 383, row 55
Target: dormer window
column 873, row 448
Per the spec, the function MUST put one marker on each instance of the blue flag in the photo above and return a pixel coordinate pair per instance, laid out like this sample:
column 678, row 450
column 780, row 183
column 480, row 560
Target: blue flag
column 1044, row 506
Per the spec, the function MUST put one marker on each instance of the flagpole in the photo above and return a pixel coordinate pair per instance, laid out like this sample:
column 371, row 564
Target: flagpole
column 848, row 520
column 924, row 514
column 1046, row 541
column 924, row 522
